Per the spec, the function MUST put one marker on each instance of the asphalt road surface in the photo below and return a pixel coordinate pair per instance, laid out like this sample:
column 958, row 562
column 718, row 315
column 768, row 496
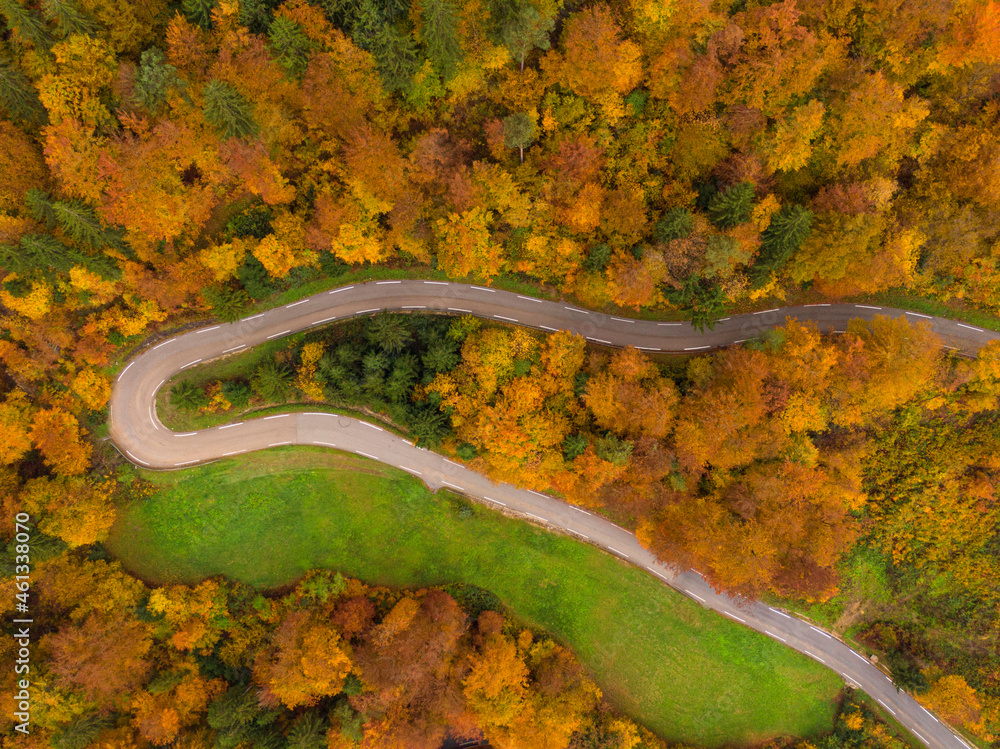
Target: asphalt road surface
column 138, row 432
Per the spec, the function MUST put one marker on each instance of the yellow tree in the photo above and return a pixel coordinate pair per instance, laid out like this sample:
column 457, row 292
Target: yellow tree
column 86, row 67
column 884, row 363
column 631, row 397
column 129, row 26
column 466, row 246
column 104, row 656
column 777, row 59
column 549, row 258
column 497, row 682
column 789, row 146
column 307, row 661
column 15, row 427
column 80, row 586
column 23, row 167
column 516, row 413
column 57, row 435
column 562, row 698
column 305, row 378
column 223, row 260
column 191, row 612
column 160, row 716
column 92, row 388
column 726, row 418
column 874, row 119
column 354, row 244
column 77, row 511
column 984, row 384
column 276, row 256
column 599, row 63
column 953, row 699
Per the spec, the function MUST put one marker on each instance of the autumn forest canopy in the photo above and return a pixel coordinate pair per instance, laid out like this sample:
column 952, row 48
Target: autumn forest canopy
column 165, row 163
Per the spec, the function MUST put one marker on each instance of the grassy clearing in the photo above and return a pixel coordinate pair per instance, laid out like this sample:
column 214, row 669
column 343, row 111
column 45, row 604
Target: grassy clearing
column 689, row 675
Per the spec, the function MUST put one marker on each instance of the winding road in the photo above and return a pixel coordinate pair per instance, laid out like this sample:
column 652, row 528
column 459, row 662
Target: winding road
column 138, row 432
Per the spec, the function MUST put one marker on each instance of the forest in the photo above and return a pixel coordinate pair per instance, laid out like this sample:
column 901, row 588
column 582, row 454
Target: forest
column 165, row 163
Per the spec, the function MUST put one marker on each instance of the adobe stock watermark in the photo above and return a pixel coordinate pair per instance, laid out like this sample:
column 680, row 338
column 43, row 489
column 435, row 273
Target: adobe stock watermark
column 22, row 624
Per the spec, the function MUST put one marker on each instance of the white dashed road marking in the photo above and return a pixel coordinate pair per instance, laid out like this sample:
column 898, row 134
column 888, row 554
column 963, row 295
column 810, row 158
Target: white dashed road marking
column 886, row 706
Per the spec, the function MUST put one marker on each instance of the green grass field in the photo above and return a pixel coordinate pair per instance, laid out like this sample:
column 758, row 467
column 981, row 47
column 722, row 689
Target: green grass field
column 264, row 519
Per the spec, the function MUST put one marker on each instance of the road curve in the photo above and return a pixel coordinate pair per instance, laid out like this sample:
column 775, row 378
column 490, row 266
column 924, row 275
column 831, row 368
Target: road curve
column 138, row 432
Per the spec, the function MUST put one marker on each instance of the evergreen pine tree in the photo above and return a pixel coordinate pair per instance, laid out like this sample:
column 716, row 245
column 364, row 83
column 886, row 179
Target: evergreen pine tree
column 227, row 110
column 439, row 36
column 19, row 98
column 154, row 79
column 290, row 45
column 732, row 206
column 68, row 18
